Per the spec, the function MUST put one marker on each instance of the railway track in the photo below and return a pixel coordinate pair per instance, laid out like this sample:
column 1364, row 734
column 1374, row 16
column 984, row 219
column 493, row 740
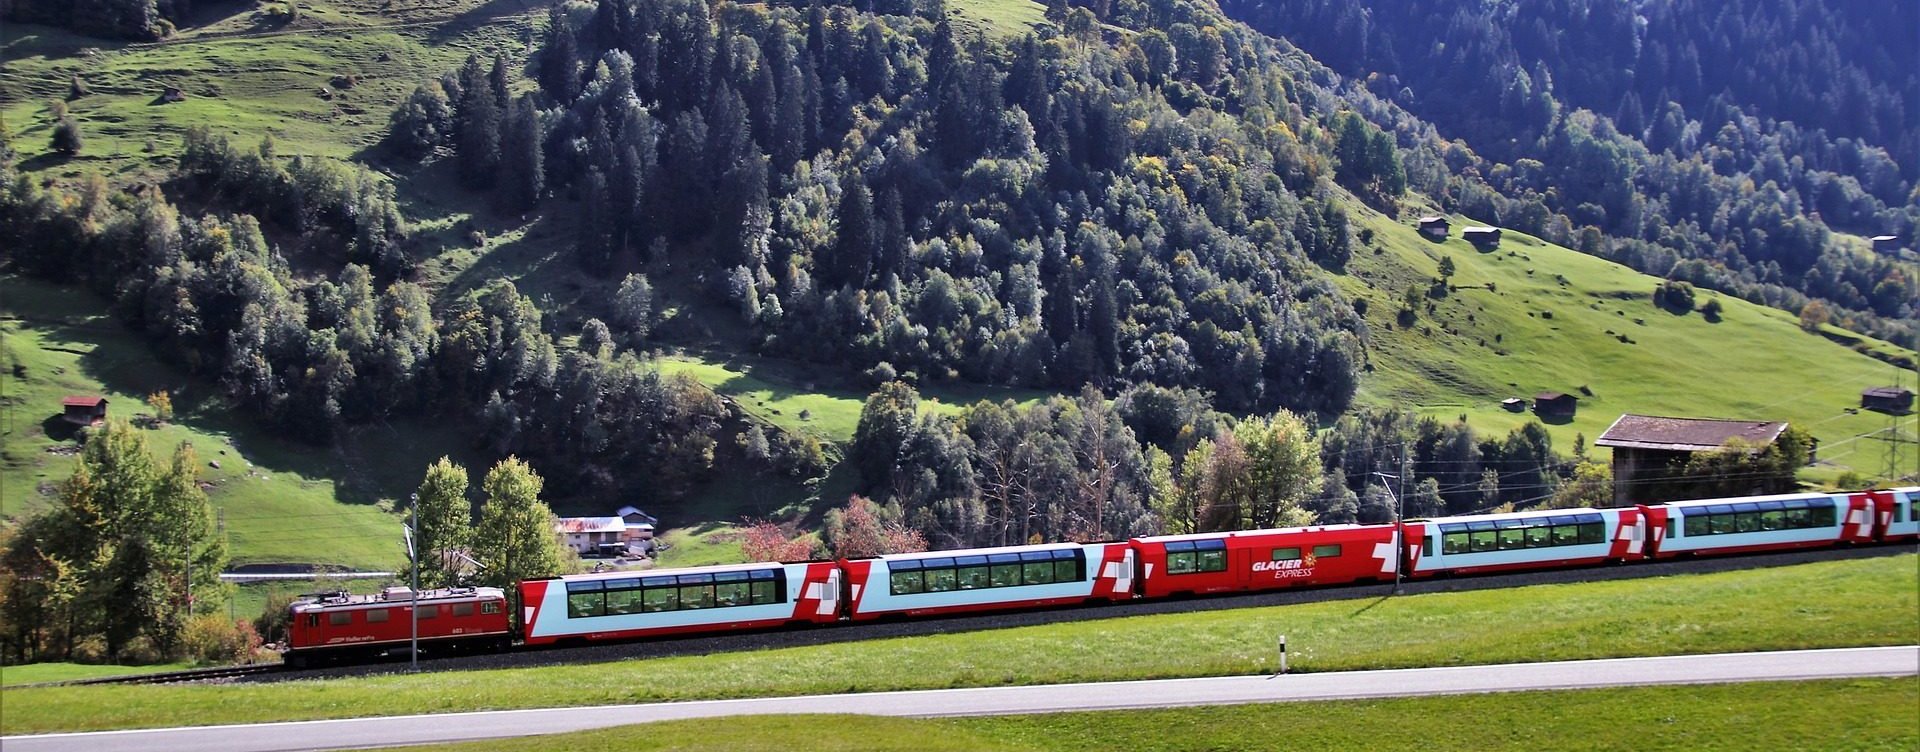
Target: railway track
column 193, row 675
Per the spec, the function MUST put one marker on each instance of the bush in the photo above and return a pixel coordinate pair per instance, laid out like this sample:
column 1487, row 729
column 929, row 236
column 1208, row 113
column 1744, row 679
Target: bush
column 212, row 638
column 271, row 624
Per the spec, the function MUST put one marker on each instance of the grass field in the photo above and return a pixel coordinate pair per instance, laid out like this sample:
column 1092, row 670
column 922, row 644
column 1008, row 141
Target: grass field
column 996, row 17
column 1882, row 714
column 36, row 673
column 1827, row 604
column 280, row 501
column 1559, row 320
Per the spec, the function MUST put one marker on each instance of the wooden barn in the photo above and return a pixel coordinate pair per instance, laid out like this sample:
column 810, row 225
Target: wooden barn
column 1555, row 405
column 1887, row 399
column 84, row 410
column 1482, row 237
column 1648, row 448
column 1435, row 227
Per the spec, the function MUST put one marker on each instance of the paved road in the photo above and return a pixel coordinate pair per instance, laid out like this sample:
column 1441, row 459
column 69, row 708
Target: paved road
column 376, row 732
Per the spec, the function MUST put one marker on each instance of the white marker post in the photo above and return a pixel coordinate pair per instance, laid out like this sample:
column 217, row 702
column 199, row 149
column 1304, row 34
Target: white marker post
column 1283, row 655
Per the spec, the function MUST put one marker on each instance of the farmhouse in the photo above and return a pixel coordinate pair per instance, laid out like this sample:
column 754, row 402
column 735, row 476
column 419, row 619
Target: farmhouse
column 1648, row 448
column 589, row 535
column 1482, row 237
column 1555, row 405
column 1435, row 227
column 84, row 410
column 1887, row 399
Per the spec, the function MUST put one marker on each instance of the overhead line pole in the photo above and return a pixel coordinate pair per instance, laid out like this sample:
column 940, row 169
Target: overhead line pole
column 413, row 607
column 1399, row 527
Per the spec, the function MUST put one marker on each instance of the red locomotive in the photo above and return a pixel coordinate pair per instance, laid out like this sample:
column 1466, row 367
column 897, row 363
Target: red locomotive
column 339, row 626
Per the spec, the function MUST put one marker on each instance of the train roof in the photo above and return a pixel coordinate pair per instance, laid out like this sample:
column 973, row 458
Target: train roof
column 1526, row 515
column 342, row 599
column 1253, row 533
column 627, row 574
column 1747, row 499
column 1061, row 546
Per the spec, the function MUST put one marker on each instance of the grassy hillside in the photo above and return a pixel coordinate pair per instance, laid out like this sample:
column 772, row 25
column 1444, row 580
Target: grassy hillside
column 1532, row 317
column 281, row 501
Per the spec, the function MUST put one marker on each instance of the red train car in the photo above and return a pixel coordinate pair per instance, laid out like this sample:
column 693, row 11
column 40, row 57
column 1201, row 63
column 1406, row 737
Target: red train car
column 1175, row 565
column 988, row 579
column 335, row 626
column 625, row 605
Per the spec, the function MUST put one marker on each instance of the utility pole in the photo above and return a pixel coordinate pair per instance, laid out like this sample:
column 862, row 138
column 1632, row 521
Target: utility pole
column 413, row 608
column 1399, row 527
column 220, row 528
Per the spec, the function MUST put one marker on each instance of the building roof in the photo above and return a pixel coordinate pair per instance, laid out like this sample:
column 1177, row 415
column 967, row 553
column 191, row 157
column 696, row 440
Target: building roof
column 1887, row 392
column 1478, row 230
column 590, row 525
column 83, row 401
column 1434, row 220
column 1685, row 434
column 1885, row 238
column 1550, row 397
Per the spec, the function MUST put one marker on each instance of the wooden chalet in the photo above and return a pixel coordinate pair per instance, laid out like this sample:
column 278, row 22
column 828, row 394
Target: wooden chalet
column 1555, row 405
column 1887, row 399
column 84, row 410
column 1648, row 448
column 1435, row 227
column 1482, row 237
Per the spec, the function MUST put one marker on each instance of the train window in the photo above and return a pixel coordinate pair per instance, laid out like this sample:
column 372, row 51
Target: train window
column 973, row 578
column 1799, row 518
column 1593, row 532
column 1673, row 526
column 1539, row 536
column 376, row 615
column 1823, row 515
column 625, row 601
column 313, row 620
column 1450, row 544
column 942, row 580
column 1066, row 566
column 1773, row 519
column 340, row 618
column 1293, row 552
column 462, row 609
column 1913, row 512
column 585, row 599
column 1696, row 524
column 1483, row 540
column 1212, row 561
column 696, row 596
column 654, row 600
column 1180, row 559
column 1565, row 535
column 1037, row 572
column 731, row 594
column 906, row 583
column 1426, row 546
column 1718, row 524
column 1327, row 551
column 490, row 607
column 765, row 592
column 1512, row 538
column 1746, row 522
column 428, row 613
column 1004, row 575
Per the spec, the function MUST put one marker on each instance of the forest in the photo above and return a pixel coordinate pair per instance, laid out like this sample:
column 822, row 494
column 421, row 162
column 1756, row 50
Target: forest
column 1143, row 208
column 1617, row 117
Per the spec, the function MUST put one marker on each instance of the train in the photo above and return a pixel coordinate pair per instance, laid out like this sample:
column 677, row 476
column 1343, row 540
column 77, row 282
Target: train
column 625, row 605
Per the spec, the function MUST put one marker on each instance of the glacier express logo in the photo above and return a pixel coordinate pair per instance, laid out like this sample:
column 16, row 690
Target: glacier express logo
column 1288, row 568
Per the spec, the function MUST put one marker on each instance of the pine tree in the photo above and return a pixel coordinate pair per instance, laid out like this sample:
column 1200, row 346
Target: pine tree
column 560, row 58
column 478, row 126
column 851, row 257
column 523, row 171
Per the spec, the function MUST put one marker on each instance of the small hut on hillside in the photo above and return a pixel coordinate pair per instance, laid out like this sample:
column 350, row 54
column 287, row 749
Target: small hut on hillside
column 1555, row 405
column 1484, row 238
column 1435, row 227
column 84, row 410
column 1887, row 399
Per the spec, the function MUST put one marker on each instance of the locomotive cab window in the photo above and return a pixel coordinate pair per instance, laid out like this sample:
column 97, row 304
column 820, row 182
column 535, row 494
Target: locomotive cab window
column 313, row 620
column 427, row 612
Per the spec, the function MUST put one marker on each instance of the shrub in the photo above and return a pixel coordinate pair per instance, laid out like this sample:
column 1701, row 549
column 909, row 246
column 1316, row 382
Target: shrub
column 271, row 624
column 212, row 638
